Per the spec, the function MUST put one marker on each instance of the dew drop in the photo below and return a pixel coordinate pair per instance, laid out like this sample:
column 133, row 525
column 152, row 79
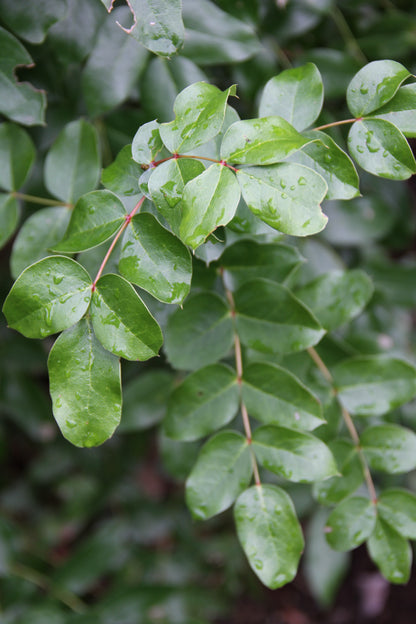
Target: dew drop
column 302, row 181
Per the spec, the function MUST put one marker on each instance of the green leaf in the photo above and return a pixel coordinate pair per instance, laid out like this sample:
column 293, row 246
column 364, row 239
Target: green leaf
column 9, row 217
column 246, row 259
column 85, row 386
column 270, row 319
column 401, row 110
column 17, row 155
column 146, row 143
column 214, row 36
column 19, row 101
column 207, row 400
column 123, row 174
column 157, row 25
column 166, row 185
column 122, row 322
column 398, row 508
column 209, row 200
column 374, row 385
column 374, row 85
column 337, row 297
column 381, row 149
column 96, row 217
column 41, row 231
column 47, row 297
column 113, row 67
column 199, row 115
column 270, row 534
column 337, row 488
column 199, row 334
column 287, row 196
column 294, row 455
column 72, row 165
column 145, row 399
column 154, row 259
column 223, row 470
column 295, row 94
column 391, row 553
column 32, row 23
column 274, row 396
column 389, row 448
column 350, row 523
column 262, row 141
column 335, row 166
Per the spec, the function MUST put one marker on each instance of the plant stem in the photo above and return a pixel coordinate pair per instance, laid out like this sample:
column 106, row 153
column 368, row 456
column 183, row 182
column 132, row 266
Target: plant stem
column 177, row 156
column 39, row 200
column 337, row 123
column 349, row 424
column 347, row 35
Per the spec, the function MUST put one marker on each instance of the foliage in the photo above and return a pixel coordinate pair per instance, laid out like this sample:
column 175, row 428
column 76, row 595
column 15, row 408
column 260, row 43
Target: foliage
column 253, row 243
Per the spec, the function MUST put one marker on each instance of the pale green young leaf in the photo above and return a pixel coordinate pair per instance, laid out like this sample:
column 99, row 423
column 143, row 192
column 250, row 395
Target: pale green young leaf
column 391, row 553
column 373, row 385
column 401, row 110
column 146, row 143
column 9, row 216
column 96, row 217
column 276, row 397
column 374, row 85
column 47, row 297
column 337, row 488
column 209, row 200
column 205, row 401
column 272, row 320
column 72, row 165
column 295, row 94
column 154, row 259
column 199, row 334
column 85, row 386
column 122, row 322
column 287, row 196
column 381, row 149
column 145, row 399
column 397, row 507
column 223, row 470
column 269, row 533
column 17, row 155
column 350, row 523
column 294, row 455
column 389, row 448
column 123, row 174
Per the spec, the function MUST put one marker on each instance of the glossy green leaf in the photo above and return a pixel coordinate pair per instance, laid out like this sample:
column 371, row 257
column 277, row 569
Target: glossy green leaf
column 223, row 470
column 389, row 448
column 401, row 110
column 390, row 552
column 96, row 217
column 122, row 322
column 32, row 23
column 374, row 85
column 295, row 94
column 337, row 297
column 205, row 401
column 270, row 534
column 398, row 508
column 47, row 297
column 19, row 101
column 154, row 259
column 166, row 185
column 72, row 165
column 199, row 114
column 9, row 216
column 113, row 67
column 123, row 174
column 337, row 488
column 350, row 523
column 263, row 141
column 85, row 386
column 374, row 385
column 380, row 148
column 41, row 231
column 157, row 25
column 287, row 196
column 274, row 396
column 209, row 200
column 294, row 455
column 146, row 143
column 145, row 399
column 17, row 155
column 335, row 166
column 270, row 319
